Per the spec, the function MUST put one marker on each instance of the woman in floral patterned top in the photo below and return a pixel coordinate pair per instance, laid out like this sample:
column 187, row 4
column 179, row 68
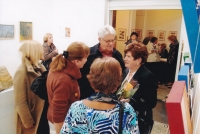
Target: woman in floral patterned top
column 99, row 113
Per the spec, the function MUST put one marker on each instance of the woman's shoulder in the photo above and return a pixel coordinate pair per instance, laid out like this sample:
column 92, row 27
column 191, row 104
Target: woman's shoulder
column 128, row 107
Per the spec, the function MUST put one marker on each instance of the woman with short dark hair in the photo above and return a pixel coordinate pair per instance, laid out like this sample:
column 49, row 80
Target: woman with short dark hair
column 144, row 98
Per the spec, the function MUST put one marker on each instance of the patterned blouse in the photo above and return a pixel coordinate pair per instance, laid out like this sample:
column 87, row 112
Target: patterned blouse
column 84, row 120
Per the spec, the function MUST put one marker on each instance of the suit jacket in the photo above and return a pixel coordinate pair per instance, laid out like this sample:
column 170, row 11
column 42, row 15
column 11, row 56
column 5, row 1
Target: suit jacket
column 145, row 98
column 85, row 88
column 28, row 106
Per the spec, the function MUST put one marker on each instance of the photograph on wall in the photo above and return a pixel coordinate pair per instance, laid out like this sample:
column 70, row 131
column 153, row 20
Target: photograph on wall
column 139, row 32
column 67, row 32
column 150, row 33
column 121, row 34
column 161, row 35
column 173, row 33
column 6, row 31
column 25, row 31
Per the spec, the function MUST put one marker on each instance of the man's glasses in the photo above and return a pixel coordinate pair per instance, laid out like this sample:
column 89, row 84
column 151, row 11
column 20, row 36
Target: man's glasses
column 109, row 41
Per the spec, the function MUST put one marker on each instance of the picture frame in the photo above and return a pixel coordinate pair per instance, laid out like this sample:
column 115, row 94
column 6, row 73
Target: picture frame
column 139, row 32
column 25, row 31
column 6, row 31
column 161, row 35
column 150, row 33
column 121, row 34
column 67, row 32
column 173, row 33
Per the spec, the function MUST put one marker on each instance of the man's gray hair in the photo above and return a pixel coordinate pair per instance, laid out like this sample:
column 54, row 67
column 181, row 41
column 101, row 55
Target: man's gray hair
column 107, row 29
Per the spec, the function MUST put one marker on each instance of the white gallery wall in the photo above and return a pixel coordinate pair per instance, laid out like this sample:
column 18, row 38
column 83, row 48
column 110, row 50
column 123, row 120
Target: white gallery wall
column 83, row 17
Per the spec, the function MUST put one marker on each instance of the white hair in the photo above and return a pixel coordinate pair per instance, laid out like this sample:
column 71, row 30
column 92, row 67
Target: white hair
column 107, row 29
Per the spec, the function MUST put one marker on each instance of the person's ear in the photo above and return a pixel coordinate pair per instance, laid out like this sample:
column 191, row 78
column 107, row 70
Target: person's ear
column 99, row 39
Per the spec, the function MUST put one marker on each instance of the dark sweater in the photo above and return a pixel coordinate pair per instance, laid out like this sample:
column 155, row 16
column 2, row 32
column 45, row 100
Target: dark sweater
column 85, row 88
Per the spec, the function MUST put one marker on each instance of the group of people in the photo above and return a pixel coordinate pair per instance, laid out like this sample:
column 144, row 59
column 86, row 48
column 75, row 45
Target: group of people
column 82, row 83
column 159, row 61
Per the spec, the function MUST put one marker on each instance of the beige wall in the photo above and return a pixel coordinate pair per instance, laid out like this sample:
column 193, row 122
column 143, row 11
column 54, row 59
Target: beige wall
column 166, row 20
column 125, row 19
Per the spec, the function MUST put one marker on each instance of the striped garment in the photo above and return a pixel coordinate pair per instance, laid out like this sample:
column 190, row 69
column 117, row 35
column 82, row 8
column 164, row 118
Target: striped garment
column 84, row 120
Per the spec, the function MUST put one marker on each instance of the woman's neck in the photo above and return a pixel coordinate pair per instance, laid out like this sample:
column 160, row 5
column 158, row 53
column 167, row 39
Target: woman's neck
column 49, row 43
column 132, row 70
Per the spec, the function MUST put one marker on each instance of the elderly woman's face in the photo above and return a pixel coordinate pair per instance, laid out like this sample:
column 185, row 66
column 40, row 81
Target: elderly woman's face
column 129, row 61
column 107, row 43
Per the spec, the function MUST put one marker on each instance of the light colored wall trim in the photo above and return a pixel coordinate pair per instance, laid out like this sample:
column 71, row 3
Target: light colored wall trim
column 144, row 4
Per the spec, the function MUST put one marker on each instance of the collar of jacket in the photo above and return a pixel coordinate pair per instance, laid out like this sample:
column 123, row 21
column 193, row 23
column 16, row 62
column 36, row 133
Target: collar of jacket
column 72, row 70
column 137, row 73
column 29, row 66
column 95, row 49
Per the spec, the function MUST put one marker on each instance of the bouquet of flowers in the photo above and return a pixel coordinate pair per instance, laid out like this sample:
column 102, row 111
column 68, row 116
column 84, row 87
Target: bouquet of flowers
column 127, row 89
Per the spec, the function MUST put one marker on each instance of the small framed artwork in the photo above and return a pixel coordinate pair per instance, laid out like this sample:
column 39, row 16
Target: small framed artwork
column 172, row 33
column 25, row 31
column 139, row 32
column 121, row 34
column 6, row 31
column 161, row 35
column 150, row 33
column 67, row 32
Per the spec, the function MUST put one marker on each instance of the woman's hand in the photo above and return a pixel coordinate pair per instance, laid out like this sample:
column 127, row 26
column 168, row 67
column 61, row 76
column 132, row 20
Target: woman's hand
column 58, row 127
column 29, row 127
column 125, row 100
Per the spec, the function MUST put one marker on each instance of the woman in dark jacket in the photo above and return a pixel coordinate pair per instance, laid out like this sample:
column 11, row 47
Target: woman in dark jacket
column 172, row 59
column 145, row 97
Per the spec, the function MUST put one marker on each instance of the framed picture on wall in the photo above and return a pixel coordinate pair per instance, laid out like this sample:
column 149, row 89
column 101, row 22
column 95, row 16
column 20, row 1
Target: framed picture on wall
column 139, row 32
column 6, row 31
column 161, row 35
column 25, row 31
column 150, row 33
column 173, row 33
column 121, row 34
column 67, row 32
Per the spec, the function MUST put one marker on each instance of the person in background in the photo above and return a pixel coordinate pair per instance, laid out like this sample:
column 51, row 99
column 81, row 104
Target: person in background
column 153, row 59
column 152, row 48
column 99, row 113
column 172, row 59
column 163, row 51
column 105, row 48
column 145, row 98
column 147, row 39
column 133, row 38
column 49, row 49
column 28, row 106
column 62, row 85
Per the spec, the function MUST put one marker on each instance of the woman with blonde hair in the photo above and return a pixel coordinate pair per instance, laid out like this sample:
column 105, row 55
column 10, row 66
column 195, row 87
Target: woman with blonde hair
column 62, row 86
column 99, row 113
column 28, row 106
column 49, row 49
